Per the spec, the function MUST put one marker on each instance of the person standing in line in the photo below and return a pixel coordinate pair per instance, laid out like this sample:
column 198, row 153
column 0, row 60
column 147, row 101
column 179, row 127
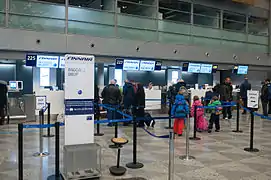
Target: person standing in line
column 180, row 110
column 226, row 97
column 128, row 98
column 245, row 86
column 216, row 111
column 111, row 97
column 140, row 104
column 264, row 96
column 3, row 101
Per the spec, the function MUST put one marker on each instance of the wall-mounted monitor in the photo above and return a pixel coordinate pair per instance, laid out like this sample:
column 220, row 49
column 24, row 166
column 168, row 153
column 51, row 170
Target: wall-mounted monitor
column 147, row 65
column 194, row 68
column 242, row 70
column 206, row 68
column 131, row 65
column 61, row 62
column 47, row 61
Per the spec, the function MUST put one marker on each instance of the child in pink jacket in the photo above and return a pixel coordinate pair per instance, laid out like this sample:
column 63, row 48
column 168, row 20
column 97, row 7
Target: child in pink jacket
column 202, row 124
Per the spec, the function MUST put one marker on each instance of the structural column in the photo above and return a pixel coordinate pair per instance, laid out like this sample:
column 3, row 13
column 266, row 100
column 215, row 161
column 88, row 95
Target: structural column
column 100, row 74
column 269, row 29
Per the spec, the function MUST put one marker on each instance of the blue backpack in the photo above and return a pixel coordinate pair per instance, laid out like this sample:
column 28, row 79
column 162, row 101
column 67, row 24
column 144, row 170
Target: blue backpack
column 180, row 111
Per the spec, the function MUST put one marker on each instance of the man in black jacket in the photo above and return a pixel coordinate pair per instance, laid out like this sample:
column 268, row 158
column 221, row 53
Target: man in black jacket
column 3, row 101
column 264, row 96
column 245, row 86
column 226, row 96
column 111, row 98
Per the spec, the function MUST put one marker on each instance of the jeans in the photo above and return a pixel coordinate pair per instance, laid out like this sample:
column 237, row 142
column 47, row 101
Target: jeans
column 226, row 111
column 245, row 104
column 265, row 104
column 214, row 120
column 111, row 114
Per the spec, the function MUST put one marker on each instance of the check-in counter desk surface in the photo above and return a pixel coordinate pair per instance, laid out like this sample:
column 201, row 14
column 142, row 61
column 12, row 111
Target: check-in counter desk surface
column 55, row 98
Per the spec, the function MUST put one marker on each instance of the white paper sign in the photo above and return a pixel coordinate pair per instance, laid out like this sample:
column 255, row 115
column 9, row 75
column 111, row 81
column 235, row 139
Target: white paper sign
column 253, row 99
column 79, row 96
column 40, row 102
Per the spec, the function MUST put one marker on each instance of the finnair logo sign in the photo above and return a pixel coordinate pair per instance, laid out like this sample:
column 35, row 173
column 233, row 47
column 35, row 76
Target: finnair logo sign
column 80, row 58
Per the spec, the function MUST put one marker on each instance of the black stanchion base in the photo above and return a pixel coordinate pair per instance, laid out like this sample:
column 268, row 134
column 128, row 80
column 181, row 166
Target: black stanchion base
column 195, row 138
column 137, row 165
column 48, row 136
column 114, row 146
column 186, row 158
column 117, row 171
column 237, row 131
column 168, row 127
column 98, row 134
column 54, row 177
column 251, row 150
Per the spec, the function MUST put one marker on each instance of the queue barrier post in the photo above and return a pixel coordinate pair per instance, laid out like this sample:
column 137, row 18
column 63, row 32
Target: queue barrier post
column 187, row 156
column 41, row 153
column 48, row 121
column 115, row 146
column 195, row 125
column 98, row 133
column 57, row 175
column 20, row 151
column 134, row 164
column 251, row 148
column 171, row 156
column 237, row 118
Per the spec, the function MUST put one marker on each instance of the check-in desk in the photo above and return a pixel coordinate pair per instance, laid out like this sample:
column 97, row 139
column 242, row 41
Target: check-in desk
column 153, row 99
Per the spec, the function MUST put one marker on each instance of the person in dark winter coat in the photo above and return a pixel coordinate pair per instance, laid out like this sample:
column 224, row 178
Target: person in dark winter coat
column 128, row 95
column 264, row 96
column 179, row 84
column 3, row 101
column 226, row 96
column 111, row 97
column 245, row 86
column 140, row 103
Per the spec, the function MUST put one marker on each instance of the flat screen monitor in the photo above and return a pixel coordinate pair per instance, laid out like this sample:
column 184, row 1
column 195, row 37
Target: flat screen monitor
column 242, row 70
column 194, row 68
column 47, row 61
column 131, row 65
column 13, row 85
column 206, row 68
column 147, row 65
column 61, row 62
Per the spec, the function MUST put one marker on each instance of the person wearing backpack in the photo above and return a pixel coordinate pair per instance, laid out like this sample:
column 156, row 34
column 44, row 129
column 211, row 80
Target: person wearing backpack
column 180, row 111
column 216, row 111
column 265, row 96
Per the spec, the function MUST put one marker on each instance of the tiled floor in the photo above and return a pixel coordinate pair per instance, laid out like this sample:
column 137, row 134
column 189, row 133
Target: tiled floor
column 219, row 156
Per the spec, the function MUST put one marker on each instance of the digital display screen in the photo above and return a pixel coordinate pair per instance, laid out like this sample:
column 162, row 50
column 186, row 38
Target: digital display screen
column 206, row 68
column 194, row 68
column 215, row 67
column 158, row 66
column 147, row 65
column 185, row 67
column 61, row 62
column 47, row 61
column 31, row 60
column 131, row 65
column 242, row 70
column 12, row 85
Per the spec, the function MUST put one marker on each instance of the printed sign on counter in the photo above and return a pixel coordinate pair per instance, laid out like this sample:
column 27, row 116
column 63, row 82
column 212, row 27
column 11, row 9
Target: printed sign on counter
column 253, row 99
column 40, row 102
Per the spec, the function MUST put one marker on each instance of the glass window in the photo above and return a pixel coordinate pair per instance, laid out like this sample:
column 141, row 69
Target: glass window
column 206, row 16
column 234, row 21
column 257, row 25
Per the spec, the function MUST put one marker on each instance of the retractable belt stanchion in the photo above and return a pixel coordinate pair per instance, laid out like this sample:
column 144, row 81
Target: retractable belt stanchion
column 171, row 156
column 238, row 117
column 115, row 146
column 251, row 149
column 195, row 125
column 57, row 175
column 134, row 164
column 20, row 152
column 169, row 119
column 98, row 127
column 41, row 153
column 187, row 156
column 48, row 121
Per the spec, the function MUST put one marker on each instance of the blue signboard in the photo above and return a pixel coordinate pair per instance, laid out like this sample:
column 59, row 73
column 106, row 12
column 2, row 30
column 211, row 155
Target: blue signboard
column 79, row 106
column 119, row 64
column 31, row 60
column 158, row 66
